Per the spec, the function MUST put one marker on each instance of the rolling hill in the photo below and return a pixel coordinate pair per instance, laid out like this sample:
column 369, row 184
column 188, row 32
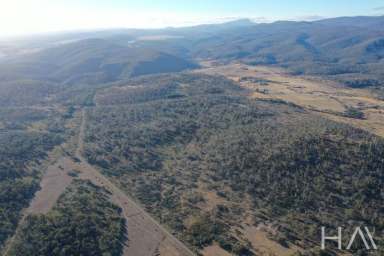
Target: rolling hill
column 345, row 49
column 35, row 78
column 349, row 50
column 91, row 61
column 219, row 168
column 216, row 167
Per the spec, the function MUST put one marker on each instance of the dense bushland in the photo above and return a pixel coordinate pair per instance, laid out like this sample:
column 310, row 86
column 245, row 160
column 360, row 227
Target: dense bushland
column 267, row 160
column 83, row 222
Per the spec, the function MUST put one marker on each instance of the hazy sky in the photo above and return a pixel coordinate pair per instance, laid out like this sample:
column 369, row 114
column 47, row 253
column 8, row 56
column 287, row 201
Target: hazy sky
column 35, row 16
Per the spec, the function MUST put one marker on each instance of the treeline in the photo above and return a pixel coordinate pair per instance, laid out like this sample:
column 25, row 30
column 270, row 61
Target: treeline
column 83, row 222
column 23, row 149
column 19, row 178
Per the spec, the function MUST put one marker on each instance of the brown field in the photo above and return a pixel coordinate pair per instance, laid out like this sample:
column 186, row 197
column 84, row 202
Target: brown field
column 325, row 98
column 53, row 184
column 214, row 250
column 265, row 246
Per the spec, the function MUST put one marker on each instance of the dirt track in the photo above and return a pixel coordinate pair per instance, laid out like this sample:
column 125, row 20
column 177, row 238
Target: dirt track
column 145, row 236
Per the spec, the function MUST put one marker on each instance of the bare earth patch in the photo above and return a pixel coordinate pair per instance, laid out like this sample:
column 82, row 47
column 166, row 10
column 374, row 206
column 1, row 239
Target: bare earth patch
column 211, row 199
column 214, row 250
column 53, row 184
column 259, row 240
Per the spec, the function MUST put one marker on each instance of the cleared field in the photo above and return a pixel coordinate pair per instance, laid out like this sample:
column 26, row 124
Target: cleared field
column 266, row 246
column 53, row 184
column 326, row 98
column 214, row 250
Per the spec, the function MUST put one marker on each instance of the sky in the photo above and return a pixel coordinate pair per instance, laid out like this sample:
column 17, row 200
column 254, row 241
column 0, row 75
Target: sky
column 24, row 17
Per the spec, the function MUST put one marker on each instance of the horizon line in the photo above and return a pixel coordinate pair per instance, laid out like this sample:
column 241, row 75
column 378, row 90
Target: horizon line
column 218, row 21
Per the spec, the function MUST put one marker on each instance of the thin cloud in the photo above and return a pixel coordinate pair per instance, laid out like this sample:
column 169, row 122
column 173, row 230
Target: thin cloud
column 262, row 19
column 309, row 18
column 379, row 8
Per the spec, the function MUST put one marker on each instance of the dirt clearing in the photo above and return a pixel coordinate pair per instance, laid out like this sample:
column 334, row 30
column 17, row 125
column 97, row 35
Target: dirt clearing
column 53, row 184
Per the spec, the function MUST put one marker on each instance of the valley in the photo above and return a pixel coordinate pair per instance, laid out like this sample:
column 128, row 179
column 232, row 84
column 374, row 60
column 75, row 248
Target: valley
column 234, row 139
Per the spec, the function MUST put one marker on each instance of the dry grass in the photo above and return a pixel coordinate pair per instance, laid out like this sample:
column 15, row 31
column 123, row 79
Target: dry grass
column 319, row 96
column 257, row 236
column 53, row 184
column 211, row 199
column 214, row 250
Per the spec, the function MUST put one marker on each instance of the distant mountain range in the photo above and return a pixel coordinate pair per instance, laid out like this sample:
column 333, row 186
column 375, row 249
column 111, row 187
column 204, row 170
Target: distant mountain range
column 346, row 49
column 254, row 167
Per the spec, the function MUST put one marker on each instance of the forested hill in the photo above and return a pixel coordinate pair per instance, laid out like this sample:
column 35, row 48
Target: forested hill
column 212, row 165
column 346, row 49
column 89, row 61
column 210, row 161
